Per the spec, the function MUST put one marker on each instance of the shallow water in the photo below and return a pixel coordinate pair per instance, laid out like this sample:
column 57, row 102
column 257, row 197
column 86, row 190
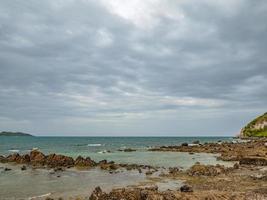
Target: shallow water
column 17, row 184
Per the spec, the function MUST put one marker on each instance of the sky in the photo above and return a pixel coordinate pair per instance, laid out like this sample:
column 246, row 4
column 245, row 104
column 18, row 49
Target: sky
column 132, row 68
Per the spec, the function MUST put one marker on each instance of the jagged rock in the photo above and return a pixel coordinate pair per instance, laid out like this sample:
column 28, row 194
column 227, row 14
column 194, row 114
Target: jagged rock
column 186, row 188
column 259, row 161
column 13, row 158
column 236, row 166
column 54, row 160
column 102, row 162
column 3, row 159
column 96, row 194
column 25, row 159
column 37, row 158
column 206, row 170
column 84, row 162
column 109, row 166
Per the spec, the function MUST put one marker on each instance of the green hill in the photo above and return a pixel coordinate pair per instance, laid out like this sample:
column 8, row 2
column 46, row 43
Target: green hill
column 256, row 128
column 7, row 133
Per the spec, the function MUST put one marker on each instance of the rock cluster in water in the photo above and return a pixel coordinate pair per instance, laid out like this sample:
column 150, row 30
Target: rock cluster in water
column 57, row 161
column 251, row 152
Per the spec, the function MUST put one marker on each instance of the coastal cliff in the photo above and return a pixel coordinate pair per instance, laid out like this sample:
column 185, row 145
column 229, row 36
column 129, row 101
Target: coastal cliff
column 255, row 128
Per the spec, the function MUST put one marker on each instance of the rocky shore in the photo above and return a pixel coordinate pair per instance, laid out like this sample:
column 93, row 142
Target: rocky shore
column 252, row 151
column 246, row 180
column 37, row 159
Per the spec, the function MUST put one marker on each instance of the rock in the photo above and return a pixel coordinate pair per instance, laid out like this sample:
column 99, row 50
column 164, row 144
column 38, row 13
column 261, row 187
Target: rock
column 206, row 170
column 259, row 161
column 37, row 158
column 174, row 170
column 127, row 150
column 148, row 173
column 3, row 159
column 23, row 168
column 97, row 193
column 13, row 158
column 184, row 144
column 7, row 169
column 84, row 162
column 48, row 198
column 109, row 166
column 58, row 169
column 186, row 188
column 54, row 160
column 25, row 159
column 196, row 142
column 236, row 166
column 102, row 162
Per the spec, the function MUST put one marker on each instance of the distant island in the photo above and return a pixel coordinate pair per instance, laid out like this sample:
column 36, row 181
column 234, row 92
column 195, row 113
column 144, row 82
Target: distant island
column 8, row 133
column 256, row 128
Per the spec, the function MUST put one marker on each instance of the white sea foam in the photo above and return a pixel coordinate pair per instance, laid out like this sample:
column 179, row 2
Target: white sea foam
column 40, row 196
column 105, row 151
column 14, row 150
column 94, row 145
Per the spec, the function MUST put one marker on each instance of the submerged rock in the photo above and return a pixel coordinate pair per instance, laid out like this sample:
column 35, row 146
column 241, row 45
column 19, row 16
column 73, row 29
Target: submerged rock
column 7, row 169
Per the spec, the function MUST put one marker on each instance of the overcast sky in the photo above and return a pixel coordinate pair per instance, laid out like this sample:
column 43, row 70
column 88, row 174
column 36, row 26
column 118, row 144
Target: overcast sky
column 136, row 67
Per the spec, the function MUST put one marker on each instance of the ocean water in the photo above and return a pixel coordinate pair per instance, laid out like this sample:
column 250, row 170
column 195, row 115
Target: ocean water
column 97, row 148
column 17, row 184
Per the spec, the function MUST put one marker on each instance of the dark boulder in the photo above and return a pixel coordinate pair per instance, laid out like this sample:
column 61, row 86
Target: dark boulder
column 186, row 188
column 97, row 194
column 7, row 169
column 184, row 144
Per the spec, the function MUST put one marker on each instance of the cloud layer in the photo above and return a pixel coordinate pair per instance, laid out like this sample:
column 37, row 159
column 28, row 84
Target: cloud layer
column 85, row 67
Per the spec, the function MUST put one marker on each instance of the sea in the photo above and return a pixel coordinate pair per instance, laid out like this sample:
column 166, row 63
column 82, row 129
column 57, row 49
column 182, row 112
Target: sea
column 42, row 183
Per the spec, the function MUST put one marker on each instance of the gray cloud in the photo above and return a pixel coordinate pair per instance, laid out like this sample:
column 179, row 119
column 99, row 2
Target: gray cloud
column 101, row 68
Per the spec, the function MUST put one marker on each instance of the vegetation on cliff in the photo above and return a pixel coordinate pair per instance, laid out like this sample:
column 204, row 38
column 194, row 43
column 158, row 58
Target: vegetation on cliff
column 256, row 128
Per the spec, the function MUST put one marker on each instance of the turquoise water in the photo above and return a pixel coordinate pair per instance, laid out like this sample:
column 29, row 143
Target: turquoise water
column 17, row 184
column 97, row 147
column 76, row 145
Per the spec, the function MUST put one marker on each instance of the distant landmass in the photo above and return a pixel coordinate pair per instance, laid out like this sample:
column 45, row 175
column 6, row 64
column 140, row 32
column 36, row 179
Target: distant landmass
column 256, row 128
column 7, row 133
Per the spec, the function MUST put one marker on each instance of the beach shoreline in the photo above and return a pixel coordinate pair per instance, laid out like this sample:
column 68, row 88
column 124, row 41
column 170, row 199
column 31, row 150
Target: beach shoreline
column 220, row 181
